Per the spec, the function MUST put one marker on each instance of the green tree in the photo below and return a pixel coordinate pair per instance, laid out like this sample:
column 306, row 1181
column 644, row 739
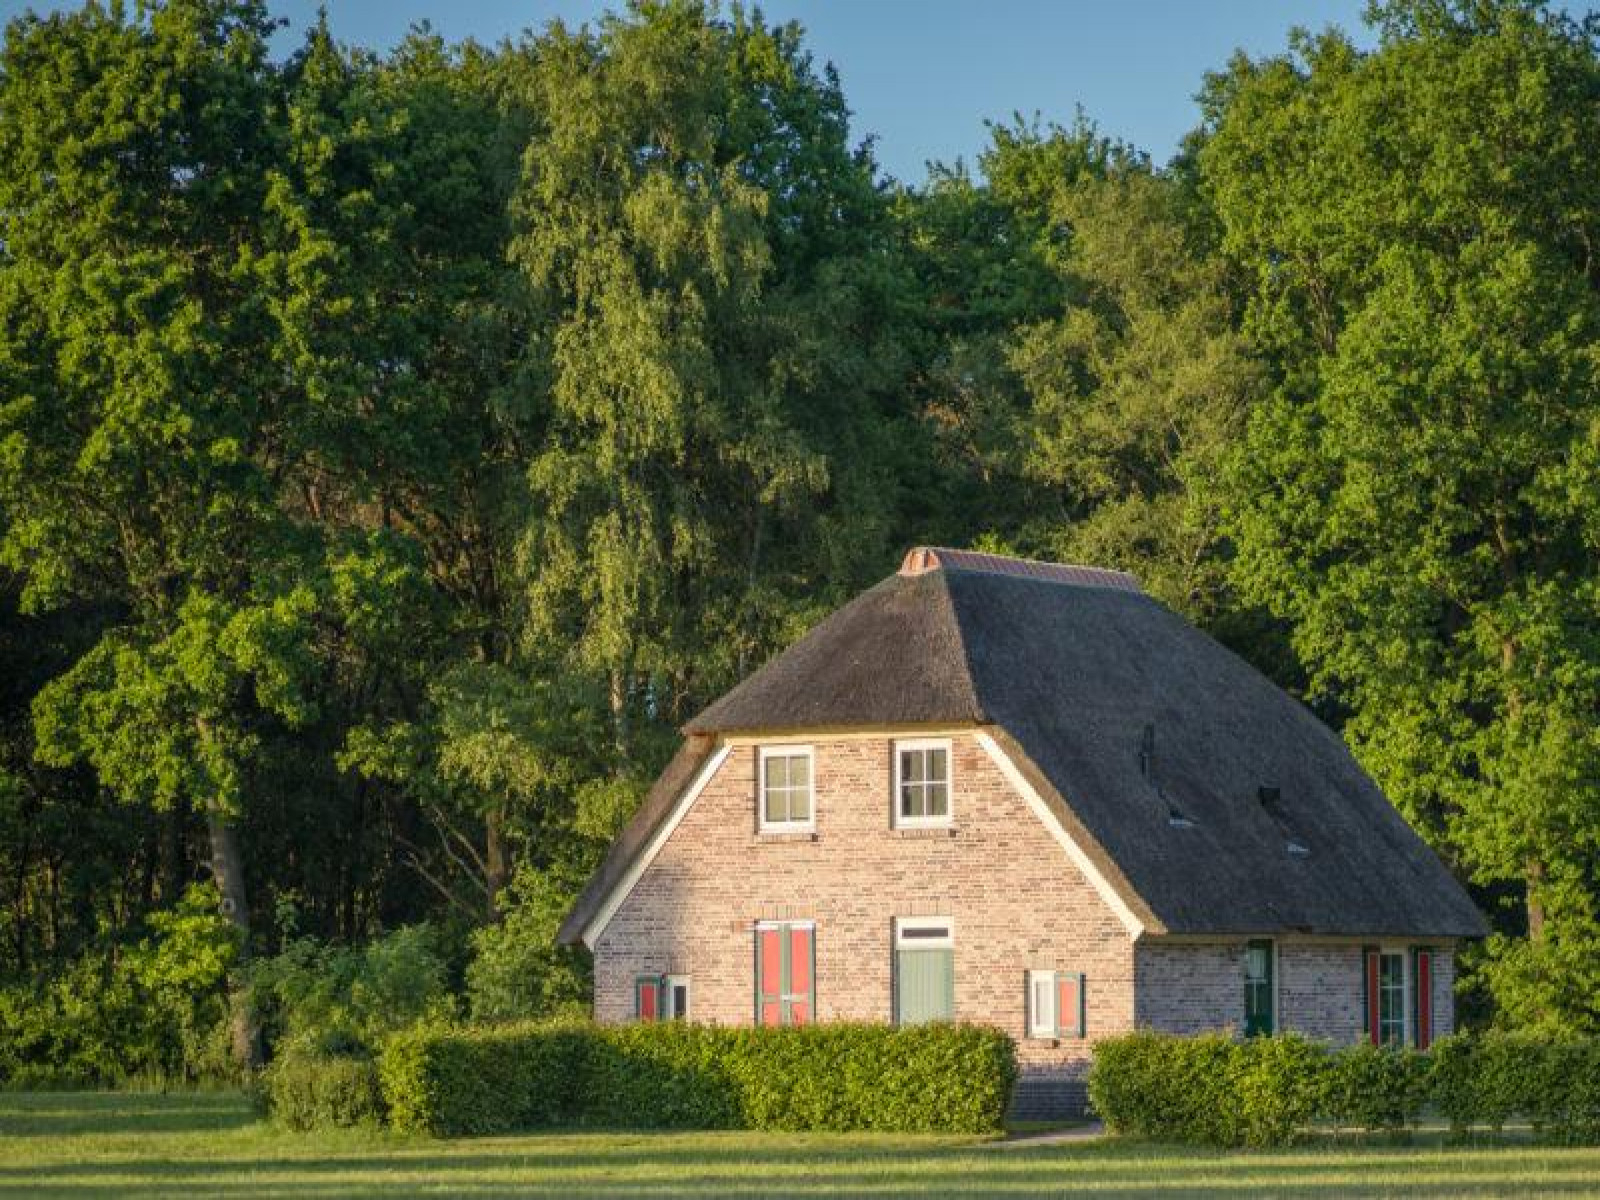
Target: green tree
column 144, row 418
column 1417, row 495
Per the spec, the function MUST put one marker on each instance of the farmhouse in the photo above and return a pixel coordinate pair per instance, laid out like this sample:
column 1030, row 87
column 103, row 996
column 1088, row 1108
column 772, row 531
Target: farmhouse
column 1028, row 795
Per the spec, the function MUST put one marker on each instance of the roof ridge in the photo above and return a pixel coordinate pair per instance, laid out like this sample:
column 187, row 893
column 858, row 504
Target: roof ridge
column 921, row 559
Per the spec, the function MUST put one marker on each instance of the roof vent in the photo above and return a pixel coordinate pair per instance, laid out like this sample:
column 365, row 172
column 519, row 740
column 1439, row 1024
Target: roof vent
column 1269, row 796
column 1296, row 850
column 1177, row 820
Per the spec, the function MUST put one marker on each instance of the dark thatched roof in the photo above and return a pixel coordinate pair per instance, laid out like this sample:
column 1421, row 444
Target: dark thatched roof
column 1212, row 800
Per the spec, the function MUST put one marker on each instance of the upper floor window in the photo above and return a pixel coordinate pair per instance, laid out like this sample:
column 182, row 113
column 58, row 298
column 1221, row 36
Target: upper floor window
column 786, row 795
column 922, row 782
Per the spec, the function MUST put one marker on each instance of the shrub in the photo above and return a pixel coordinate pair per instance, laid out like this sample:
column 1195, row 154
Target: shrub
column 315, row 995
column 839, row 1077
column 517, row 970
column 1210, row 1089
column 1378, row 1088
column 1553, row 1082
column 313, row 1091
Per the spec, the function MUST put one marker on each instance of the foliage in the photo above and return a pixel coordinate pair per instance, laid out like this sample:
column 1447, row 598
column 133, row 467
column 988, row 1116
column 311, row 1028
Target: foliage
column 154, row 1010
column 307, row 1091
column 1482, row 1082
column 517, row 970
column 495, row 1079
column 1220, row 1091
column 1211, row 1089
column 318, row 998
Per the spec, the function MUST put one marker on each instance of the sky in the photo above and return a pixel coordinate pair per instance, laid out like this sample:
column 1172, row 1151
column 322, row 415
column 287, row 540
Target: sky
column 922, row 76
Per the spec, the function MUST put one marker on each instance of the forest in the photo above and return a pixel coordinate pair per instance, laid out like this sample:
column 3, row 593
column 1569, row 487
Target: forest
column 397, row 448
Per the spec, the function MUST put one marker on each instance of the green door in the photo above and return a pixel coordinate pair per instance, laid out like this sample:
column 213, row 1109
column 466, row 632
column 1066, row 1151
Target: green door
column 1258, row 989
column 925, row 987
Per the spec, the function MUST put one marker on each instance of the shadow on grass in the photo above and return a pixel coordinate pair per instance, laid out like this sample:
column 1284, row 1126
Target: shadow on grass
column 165, row 1158
column 71, row 1114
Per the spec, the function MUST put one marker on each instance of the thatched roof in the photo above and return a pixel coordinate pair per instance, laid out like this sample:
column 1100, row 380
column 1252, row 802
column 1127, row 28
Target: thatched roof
column 1215, row 801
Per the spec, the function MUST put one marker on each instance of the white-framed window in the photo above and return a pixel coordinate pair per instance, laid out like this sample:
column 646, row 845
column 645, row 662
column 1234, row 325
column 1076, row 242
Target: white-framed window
column 922, row 782
column 924, row 970
column 1041, row 1004
column 675, row 998
column 787, row 799
column 1394, row 998
column 1057, row 1004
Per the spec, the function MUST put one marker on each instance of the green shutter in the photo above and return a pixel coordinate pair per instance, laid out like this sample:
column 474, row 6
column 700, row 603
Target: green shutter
column 925, row 986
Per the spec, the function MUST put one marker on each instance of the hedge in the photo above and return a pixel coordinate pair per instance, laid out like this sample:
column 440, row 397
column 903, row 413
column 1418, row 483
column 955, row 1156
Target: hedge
column 1216, row 1090
column 499, row 1079
column 310, row 1091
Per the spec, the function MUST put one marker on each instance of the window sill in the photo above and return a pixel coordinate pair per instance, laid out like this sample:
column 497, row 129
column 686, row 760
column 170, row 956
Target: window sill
column 786, row 835
column 924, row 831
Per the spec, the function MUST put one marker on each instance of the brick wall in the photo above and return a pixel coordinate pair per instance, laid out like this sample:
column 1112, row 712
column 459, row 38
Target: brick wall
column 1194, row 988
column 1017, row 902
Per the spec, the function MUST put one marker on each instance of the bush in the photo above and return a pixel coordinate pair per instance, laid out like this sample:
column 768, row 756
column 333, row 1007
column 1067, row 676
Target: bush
column 1553, row 1082
column 314, row 1091
column 518, row 971
column 1214, row 1090
column 147, row 1010
column 319, row 998
column 1378, row 1088
column 1209, row 1089
column 955, row 1078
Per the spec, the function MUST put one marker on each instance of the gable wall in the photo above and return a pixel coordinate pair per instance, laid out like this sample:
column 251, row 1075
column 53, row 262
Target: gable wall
column 1017, row 901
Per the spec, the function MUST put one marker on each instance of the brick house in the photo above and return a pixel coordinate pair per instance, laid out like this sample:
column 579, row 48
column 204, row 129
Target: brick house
column 1026, row 795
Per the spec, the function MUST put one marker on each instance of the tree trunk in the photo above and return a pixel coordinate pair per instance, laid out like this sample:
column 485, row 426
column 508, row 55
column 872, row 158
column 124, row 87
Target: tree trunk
column 227, row 868
column 619, row 715
column 496, row 861
column 1534, row 879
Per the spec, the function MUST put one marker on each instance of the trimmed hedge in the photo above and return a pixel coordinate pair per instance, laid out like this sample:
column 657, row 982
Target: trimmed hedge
column 498, row 1079
column 310, row 1091
column 1215, row 1090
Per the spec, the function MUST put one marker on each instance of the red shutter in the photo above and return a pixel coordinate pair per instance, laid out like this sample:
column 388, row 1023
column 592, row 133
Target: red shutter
column 800, row 990
column 1424, row 1002
column 1374, row 1028
column 1069, row 1005
column 769, row 976
column 647, row 998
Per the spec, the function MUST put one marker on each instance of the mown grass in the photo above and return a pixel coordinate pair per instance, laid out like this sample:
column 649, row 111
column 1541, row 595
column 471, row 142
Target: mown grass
column 145, row 1145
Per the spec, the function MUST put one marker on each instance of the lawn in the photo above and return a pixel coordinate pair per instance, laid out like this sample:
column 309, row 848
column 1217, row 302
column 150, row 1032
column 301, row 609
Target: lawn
column 132, row 1146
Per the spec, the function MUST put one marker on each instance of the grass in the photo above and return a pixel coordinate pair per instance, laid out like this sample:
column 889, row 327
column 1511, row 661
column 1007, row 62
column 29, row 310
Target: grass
column 133, row 1145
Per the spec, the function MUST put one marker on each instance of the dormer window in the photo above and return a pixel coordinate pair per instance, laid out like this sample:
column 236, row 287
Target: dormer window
column 786, row 796
column 922, row 783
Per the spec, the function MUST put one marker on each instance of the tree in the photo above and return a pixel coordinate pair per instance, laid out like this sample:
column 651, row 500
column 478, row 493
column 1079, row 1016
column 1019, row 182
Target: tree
column 1138, row 390
column 685, row 217
column 144, row 418
column 1416, row 496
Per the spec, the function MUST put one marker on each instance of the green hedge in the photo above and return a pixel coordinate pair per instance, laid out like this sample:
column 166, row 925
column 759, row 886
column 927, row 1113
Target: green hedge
column 1216, row 1090
column 498, row 1079
column 309, row 1091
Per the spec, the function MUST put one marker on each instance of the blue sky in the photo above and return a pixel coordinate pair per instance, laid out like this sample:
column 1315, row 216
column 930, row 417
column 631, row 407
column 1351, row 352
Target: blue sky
column 923, row 75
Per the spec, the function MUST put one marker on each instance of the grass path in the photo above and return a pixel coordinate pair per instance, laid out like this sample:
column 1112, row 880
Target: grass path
column 134, row 1146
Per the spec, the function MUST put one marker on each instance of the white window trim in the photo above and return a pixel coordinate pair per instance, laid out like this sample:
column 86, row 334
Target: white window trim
column 904, row 822
column 1408, row 993
column 668, row 1009
column 789, row 750
column 947, row 942
column 1038, row 1028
